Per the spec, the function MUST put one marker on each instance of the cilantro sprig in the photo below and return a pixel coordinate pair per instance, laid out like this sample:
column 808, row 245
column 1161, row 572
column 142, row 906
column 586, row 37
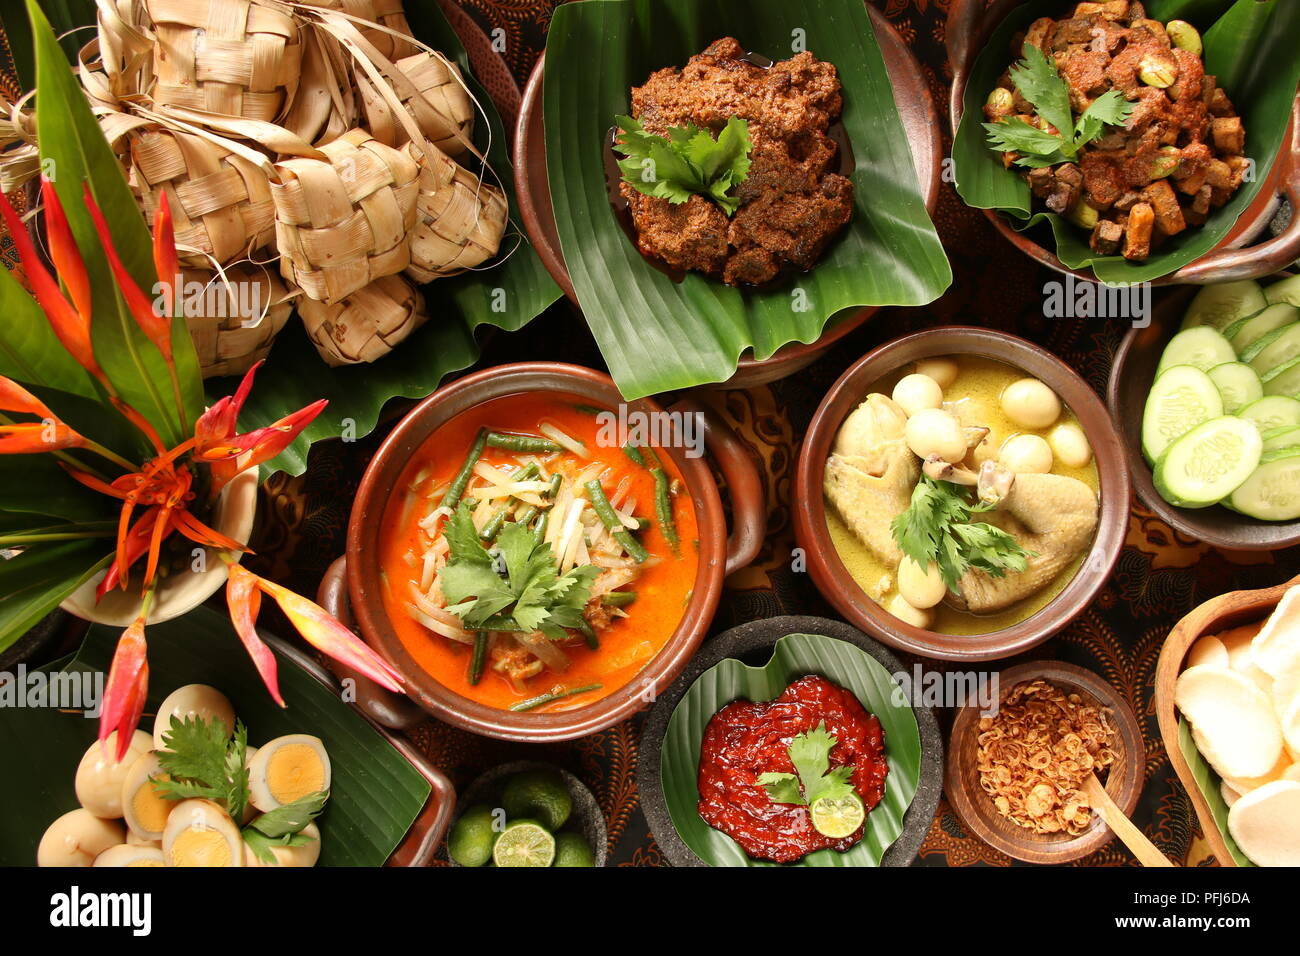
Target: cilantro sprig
column 936, row 528
column 518, row 589
column 810, row 752
column 1038, row 81
column 202, row 759
column 688, row 162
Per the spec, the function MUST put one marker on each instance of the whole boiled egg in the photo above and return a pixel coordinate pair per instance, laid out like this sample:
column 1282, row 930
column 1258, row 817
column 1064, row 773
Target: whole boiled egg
column 305, row 855
column 76, row 838
column 100, row 774
column 191, row 700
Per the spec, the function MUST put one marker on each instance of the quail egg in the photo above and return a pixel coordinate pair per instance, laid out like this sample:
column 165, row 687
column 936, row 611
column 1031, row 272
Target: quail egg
column 287, row 769
column 100, row 776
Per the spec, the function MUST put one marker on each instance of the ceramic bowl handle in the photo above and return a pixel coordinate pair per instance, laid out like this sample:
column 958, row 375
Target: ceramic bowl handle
column 1277, row 253
column 380, row 705
column 744, row 484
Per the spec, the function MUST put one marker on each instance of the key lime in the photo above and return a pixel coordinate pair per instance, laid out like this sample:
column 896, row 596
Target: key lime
column 524, row 843
column 838, row 818
column 470, row 843
column 572, row 850
column 539, row 795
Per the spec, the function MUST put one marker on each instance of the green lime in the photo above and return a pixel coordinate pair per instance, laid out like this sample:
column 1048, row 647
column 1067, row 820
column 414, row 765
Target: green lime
column 539, row 794
column 472, row 837
column 838, row 818
column 524, row 843
column 572, row 850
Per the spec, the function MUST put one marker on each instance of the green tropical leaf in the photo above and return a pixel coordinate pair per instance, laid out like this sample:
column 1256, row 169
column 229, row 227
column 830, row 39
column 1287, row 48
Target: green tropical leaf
column 375, row 794
column 507, row 295
column 37, row 485
column 794, row 656
column 1208, row 782
column 1250, row 43
column 33, row 583
column 74, row 153
column 30, row 352
column 657, row 334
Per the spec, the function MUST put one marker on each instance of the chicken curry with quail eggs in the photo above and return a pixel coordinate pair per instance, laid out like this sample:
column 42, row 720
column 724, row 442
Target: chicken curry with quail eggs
column 963, row 495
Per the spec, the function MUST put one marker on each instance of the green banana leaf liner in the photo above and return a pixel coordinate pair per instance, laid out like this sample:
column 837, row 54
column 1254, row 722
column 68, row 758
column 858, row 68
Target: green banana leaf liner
column 375, row 793
column 1249, row 46
column 793, row 656
column 1208, row 781
column 657, row 334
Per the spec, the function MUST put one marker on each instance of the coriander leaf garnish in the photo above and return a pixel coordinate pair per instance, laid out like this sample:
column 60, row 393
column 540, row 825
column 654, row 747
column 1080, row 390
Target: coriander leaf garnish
column 810, row 753
column 1038, row 81
column 689, row 161
column 936, row 528
column 202, row 759
column 532, row 595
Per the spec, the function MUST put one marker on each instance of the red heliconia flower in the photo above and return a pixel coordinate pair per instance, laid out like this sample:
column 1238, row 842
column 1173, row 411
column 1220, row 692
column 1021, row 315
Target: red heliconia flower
column 25, row 438
column 70, row 324
column 128, row 684
column 165, row 259
column 244, row 600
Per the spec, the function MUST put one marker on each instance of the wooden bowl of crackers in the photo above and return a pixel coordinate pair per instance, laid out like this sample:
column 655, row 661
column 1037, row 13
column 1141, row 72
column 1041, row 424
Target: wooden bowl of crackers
column 1016, row 779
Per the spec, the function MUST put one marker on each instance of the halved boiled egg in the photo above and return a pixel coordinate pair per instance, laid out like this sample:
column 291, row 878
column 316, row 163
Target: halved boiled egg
column 286, row 769
column 191, row 700
column 143, row 804
column 305, row 855
column 100, row 775
column 76, row 838
column 200, row 833
column 128, row 855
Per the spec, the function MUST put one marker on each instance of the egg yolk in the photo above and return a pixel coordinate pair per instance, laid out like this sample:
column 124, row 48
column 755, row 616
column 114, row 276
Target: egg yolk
column 197, row 846
column 145, row 863
column 294, row 771
column 150, row 809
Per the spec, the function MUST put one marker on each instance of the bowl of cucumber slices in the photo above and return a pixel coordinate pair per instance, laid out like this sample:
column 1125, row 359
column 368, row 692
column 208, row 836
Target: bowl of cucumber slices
column 1207, row 401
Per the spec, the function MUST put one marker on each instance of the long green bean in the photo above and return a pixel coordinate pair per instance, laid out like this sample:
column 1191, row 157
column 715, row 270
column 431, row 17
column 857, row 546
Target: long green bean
column 520, row 443
column 552, row 696
column 530, row 472
column 664, row 509
column 635, row 454
column 589, row 634
column 493, row 526
column 459, row 483
column 479, row 657
column 539, row 530
column 554, row 489
column 605, row 511
column 527, row 515
column 617, row 598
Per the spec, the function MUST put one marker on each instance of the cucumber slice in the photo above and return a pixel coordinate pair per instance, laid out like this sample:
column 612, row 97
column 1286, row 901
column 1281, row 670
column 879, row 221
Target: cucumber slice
column 1272, row 411
column 1287, row 290
column 1202, row 347
column 1285, row 437
column 1248, row 331
column 1272, row 492
column 1275, row 349
column 1238, row 385
column 1218, row 306
column 1283, row 380
column 1209, row 463
column 1180, row 399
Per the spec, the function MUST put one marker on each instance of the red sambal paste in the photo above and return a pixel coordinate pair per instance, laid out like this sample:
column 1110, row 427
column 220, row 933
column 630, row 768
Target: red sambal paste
column 745, row 739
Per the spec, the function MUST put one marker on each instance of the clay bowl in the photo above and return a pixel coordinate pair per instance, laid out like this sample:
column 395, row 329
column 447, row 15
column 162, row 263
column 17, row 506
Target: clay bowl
column 970, row 25
column 920, row 118
column 352, row 587
column 586, row 818
column 753, row 645
column 1123, row 781
column 1131, row 374
column 1214, row 616
column 832, row 577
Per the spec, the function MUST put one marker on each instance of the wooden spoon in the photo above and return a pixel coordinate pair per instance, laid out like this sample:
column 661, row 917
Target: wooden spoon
column 1114, row 817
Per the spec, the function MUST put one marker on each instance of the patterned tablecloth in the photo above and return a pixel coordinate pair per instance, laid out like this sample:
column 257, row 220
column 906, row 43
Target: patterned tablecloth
column 1160, row 576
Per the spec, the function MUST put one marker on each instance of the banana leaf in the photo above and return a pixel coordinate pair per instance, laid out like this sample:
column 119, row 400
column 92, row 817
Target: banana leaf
column 1208, row 782
column 375, row 794
column 657, row 334
column 794, row 656
column 1249, row 45
column 35, row 581
column 506, row 295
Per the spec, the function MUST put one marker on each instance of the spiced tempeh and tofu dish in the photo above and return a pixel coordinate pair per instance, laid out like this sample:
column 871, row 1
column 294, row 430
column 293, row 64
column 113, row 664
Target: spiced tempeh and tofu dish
column 1115, row 125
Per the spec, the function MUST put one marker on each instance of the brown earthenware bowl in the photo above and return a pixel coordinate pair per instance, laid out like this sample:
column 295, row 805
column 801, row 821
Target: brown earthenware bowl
column 1124, row 779
column 920, row 117
column 353, row 585
column 1131, row 374
column 1213, row 617
column 969, row 27
column 824, row 563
